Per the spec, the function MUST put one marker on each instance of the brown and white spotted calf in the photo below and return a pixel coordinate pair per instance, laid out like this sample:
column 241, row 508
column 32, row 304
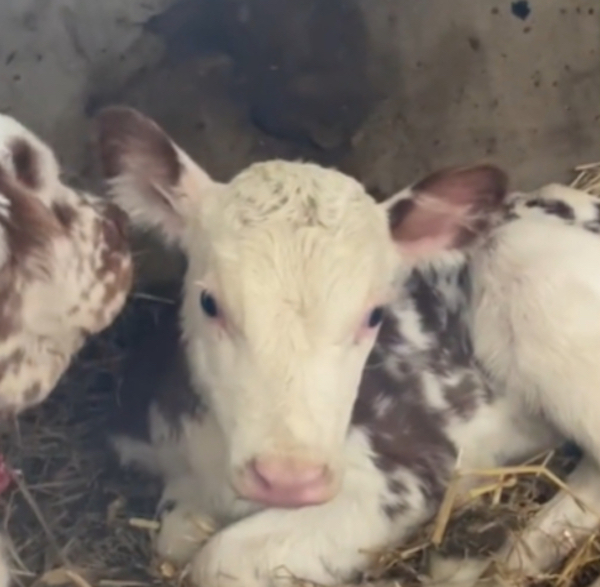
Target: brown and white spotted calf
column 65, row 270
column 334, row 349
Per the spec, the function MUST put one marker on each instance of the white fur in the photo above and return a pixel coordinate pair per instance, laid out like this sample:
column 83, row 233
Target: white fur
column 296, row 257
column 540, row 290
column 536, row 311
column 324, row 543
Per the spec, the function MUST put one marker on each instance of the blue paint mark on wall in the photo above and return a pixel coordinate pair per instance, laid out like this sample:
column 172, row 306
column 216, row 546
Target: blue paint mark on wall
column 521, row 9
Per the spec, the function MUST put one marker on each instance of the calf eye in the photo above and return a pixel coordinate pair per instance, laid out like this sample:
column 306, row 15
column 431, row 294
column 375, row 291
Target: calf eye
column 375, row 317
column 208, row 304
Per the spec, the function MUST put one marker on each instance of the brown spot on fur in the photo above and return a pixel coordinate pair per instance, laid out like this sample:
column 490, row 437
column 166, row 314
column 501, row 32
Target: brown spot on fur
column 32, row 395
column 462, row 396
column 66, row 214
column 156, row 371
column 73, row 310
column 121, row 268
column 394, row 509
column 10, row 304
column 13, row 362
column 407, row 434
column 30, row 226
column 116, row 270
column 116, row 229
column 389, row 333
column 26, row 162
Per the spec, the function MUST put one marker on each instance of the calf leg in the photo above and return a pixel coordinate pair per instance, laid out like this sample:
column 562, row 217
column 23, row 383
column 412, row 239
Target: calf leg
column 183, row 530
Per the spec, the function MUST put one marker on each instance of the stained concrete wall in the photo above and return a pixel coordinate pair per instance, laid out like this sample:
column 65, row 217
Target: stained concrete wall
column 384, row 89
column 475, row 79
column 55, row 53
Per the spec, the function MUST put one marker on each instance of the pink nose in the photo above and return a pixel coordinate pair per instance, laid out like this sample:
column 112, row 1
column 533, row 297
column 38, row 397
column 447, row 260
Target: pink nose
column 286, row 483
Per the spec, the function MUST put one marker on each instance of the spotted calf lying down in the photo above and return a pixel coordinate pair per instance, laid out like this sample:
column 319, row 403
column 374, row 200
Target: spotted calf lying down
column 65, row 270
column 338, row 355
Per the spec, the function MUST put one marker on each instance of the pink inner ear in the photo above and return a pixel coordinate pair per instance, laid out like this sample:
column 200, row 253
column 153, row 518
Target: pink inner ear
column 431, row 226
column 448, row 210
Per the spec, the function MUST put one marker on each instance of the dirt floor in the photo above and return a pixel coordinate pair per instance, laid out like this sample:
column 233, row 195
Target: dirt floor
column 70, row 505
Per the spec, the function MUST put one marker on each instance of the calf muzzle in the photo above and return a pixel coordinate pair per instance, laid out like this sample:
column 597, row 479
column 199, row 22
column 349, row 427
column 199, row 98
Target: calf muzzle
column 285, row 482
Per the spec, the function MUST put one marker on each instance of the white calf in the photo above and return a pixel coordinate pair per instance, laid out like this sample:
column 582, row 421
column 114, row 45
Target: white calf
column 332, row 380
column 65, row 271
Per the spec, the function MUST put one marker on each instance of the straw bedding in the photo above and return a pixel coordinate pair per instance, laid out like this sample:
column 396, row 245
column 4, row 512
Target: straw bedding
column 75, row 519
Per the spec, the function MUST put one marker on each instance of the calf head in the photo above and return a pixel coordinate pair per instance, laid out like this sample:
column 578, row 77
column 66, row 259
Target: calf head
column 290, row 267
column 65, row 268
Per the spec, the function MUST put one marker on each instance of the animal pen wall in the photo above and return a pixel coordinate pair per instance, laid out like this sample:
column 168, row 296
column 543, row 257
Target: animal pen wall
column 385, row 90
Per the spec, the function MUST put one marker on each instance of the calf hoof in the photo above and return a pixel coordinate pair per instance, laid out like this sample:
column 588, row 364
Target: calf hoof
column 182, row 533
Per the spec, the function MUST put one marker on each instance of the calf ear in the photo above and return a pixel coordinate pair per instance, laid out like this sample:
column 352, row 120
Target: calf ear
column 27, row 160
column 147, row 174
column 447, row 210
column 29, row 176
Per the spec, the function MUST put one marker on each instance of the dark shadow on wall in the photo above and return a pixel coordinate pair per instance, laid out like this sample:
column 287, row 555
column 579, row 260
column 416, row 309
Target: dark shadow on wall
column 302, row 66
column 249, row 80
column 419, row 127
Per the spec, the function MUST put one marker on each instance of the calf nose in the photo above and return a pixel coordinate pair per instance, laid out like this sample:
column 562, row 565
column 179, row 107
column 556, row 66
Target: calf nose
column 286, row 482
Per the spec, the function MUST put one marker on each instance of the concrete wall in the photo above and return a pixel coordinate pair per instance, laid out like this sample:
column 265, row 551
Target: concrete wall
column 416, row 84
column 476, row 80
column 55, row 53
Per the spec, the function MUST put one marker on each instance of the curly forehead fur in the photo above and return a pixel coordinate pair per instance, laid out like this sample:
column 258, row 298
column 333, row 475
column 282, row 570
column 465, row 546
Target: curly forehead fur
column 300, row 194
column 296, row 227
